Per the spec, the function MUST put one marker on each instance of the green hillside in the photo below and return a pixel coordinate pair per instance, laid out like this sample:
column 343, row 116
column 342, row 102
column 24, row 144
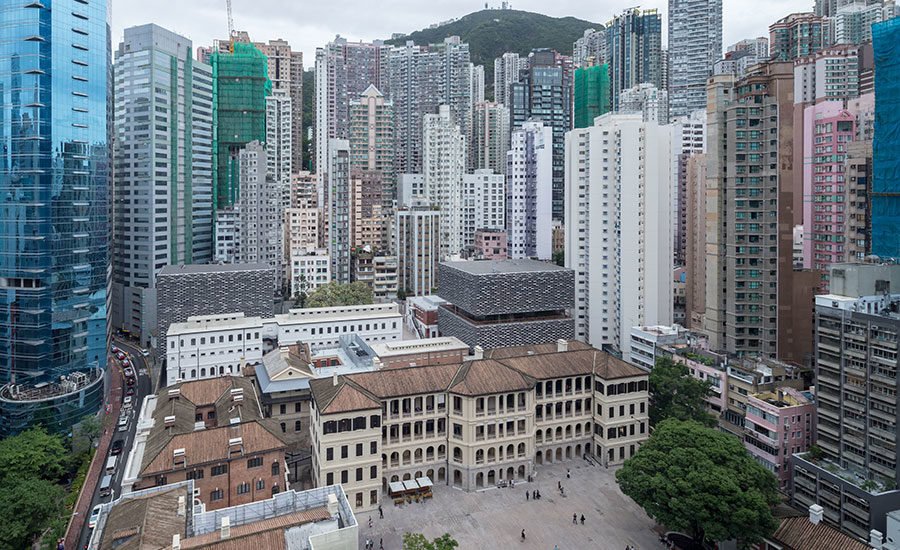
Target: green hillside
column 491, row 33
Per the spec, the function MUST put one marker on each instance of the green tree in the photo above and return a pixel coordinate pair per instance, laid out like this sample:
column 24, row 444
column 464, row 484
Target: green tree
column 26, row 506
column 559, row 258
column 33, row 454
column 334, row 294
column 674, row 393
column 301, row 296
column 701, row 481
column 417, row 541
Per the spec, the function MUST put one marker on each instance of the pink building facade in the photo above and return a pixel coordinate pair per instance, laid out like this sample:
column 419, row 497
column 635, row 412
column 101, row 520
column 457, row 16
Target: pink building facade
column 778, row 425
column 490, row 245
column 704, row 365
column 828, row 128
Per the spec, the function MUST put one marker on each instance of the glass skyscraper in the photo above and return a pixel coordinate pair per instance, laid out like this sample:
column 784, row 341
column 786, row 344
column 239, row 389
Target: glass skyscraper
column 54, row 211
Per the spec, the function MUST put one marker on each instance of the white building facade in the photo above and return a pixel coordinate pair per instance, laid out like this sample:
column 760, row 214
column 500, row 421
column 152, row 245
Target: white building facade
column 444, row 163
column 618, row 227
column 482, row 203
column 308, row 269
column 529, row 192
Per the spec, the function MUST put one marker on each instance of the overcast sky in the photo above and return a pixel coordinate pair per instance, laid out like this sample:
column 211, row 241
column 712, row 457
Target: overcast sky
column 306, row 24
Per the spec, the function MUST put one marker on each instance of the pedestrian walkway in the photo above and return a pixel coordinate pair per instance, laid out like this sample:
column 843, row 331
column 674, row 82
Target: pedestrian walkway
column 612, row 520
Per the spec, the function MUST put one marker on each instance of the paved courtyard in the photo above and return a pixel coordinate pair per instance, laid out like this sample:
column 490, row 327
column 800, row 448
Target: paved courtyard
column 494, row 518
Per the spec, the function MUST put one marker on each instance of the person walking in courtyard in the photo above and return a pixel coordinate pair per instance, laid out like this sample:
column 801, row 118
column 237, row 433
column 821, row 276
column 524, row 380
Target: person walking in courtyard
column 559, row 485
column 568, row 473
column 370, row 522
column 380, row 512
column 582, row 519
column 526, row 496
column 575, row 518
column 523, row 534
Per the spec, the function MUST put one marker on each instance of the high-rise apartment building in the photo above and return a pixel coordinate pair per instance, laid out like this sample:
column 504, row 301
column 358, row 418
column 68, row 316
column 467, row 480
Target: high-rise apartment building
column 591, row 94
column 483, row 196
column 857, row 209
column 885, row 181
column 338, row 202
column 650, row 101
column 798, row 35
column 832, row 73
column 856, row 401
column 853, row 21
column 240, row 87
column 421, row 79
column 444, row 164
column 476, row 79
column 755, row 302
column 343, row 71
column 490, row 137
column 544, row 92
column 371, row 135
column 619, row 228
column 279, row 127
column 506, row 71
column 689, row 139
column 252, row 229
column 695, row 241
column 416, row 230
column 529, row 190
column 590, row 49
column 55, row 180
column 634, row 51
column 695, row 44
column 285, row 71
column 167, row 203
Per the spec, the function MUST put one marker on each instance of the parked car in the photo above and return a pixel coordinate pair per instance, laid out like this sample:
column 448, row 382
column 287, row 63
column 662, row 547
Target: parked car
column 123, row 424
column 106, row 485
column 121, row 356
column 145, row 352
column 116, row 447
column 127, row 402
column 114, row 349
column 129, row 380
column 95, row 515
column 126, row 363
column 129, row 390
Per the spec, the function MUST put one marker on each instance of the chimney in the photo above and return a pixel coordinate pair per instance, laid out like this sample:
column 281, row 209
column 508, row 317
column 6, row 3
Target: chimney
column 876, row 539
column 285, row 352
column 562, row 345
column 815, row 514
column 176, row 542
column 174, row 393
column 332, row 505
column 225, row 531
column 334, row 379
column 181, row 506
column 377, row 364
column 479, row 352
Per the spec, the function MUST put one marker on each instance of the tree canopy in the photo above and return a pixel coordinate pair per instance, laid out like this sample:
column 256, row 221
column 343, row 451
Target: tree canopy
column 417, row 541
column 334, row 294
column 26, row 506
column 701, row 481
column 33, row 454
column 674, row 393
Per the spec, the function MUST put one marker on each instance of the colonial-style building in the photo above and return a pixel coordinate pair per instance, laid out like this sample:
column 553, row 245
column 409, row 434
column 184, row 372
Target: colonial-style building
column 473, row 424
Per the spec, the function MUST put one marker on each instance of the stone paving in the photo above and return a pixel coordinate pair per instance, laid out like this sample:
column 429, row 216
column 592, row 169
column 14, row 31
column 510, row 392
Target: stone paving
column 494, row 518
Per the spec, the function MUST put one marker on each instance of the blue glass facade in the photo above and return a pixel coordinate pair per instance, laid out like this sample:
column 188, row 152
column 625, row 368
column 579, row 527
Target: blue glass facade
column 54, row 210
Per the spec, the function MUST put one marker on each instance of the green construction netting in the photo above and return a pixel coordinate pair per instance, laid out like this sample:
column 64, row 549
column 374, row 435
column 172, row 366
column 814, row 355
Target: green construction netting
column 885, row 199
column 240, row 87
column 591, row 94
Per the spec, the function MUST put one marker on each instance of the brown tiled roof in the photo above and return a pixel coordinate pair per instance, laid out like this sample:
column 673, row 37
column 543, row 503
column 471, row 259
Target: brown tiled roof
column 554, row 365
column 199, row 393
column 260, row 535
column 609, row 368
column 487, row 376
column 798, row 533
column 531, row 349
column 406, row 380
column 211, row 445
column 343, row 397
column 145, row 522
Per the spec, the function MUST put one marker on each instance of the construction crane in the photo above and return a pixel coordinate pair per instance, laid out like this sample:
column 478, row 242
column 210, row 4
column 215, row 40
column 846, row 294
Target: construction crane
column 230, row 20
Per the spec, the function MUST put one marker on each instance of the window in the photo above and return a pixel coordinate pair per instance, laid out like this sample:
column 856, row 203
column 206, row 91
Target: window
column 275, row 489
column 344, row 451
column 243, row 488
column 216, row 495
column 373, row 447
column 373, row 497
column 160, row 480
column 298, row 408
column 359, row 449
column 344, row 476
column 195, row 474
column 373, row 472
column 260, row 484
column 275, row 469
column 297, row 425
column 283, row 427
column 255, row 462
column 283, row 409
column 219, row 470
column 359, row 474
column 329, row 479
